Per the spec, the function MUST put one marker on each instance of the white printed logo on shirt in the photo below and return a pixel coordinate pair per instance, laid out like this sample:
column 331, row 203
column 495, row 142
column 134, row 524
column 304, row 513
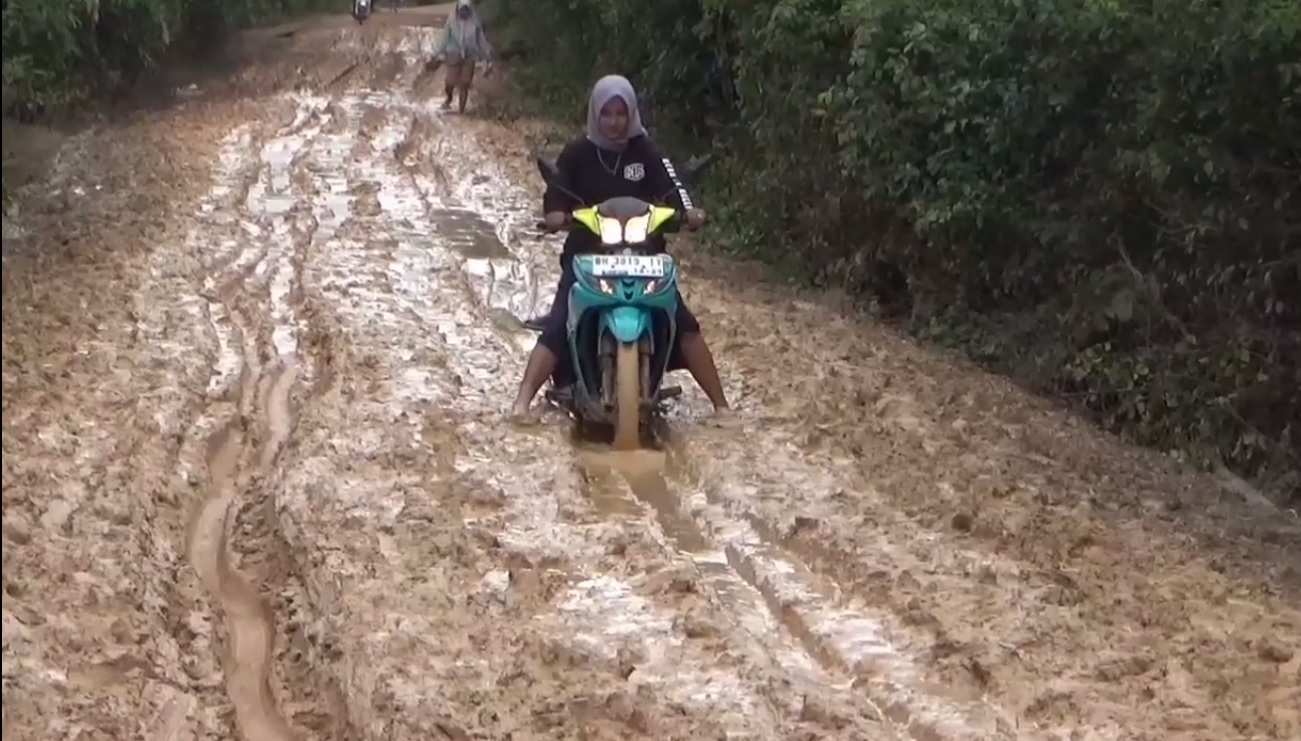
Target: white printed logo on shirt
column 634, row 172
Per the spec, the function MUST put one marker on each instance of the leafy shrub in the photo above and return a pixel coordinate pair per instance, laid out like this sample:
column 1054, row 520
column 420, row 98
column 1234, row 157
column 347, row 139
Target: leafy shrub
column 55, row 51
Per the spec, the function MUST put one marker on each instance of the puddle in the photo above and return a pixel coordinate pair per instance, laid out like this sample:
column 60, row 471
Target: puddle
column 469, row 234
column 604, row 487
column 642, row 473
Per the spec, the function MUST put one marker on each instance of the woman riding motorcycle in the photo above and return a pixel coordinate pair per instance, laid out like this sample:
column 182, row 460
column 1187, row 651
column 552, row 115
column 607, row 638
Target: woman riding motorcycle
column 615, row 158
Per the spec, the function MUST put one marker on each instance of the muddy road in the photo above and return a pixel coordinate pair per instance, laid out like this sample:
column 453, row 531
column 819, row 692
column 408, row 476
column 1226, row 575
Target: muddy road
column 258, row 344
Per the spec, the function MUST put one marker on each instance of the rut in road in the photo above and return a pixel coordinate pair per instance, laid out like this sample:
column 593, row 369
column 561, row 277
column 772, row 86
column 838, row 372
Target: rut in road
column 246, row 423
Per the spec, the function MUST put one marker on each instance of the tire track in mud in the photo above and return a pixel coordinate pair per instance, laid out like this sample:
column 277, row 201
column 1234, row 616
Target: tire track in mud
column 253, row 276
column 845, row 637
column 770, row 591
column 247, row 620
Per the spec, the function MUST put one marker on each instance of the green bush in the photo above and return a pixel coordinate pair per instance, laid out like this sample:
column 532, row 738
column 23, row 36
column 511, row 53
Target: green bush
column 1102, row 199
column 56, row 51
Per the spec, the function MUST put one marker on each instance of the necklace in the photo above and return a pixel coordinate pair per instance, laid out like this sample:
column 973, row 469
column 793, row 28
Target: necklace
column 600, row 157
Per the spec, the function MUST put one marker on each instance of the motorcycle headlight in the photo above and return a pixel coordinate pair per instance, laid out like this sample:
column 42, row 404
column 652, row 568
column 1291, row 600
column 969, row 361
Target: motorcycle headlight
column 611, row 231
column 634, row 232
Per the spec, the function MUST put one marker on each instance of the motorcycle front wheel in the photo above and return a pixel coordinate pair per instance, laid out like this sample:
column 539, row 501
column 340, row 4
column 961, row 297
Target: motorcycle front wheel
column 627, row 387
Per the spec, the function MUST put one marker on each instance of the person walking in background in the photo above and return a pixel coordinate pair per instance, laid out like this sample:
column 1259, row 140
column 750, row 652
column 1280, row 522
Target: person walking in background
column 462, row 46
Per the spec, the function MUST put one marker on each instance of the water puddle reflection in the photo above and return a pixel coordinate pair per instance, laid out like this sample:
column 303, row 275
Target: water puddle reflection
column 642, row 473
column 469, row 234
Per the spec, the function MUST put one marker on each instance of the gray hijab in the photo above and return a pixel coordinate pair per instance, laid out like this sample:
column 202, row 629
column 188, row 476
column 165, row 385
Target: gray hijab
column 467, row 32
column 606, row 89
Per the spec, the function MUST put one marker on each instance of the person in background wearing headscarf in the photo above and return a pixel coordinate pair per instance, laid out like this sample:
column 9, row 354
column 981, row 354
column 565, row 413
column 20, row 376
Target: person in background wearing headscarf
column 615, row 158
column 462, row 45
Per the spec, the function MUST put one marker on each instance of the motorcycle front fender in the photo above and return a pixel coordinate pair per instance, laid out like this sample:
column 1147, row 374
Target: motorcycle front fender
column 627, row 323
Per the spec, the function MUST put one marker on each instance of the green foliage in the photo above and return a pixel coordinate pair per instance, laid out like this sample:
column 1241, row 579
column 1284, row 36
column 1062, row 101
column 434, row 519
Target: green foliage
column 1102, row 198
column 56, row 51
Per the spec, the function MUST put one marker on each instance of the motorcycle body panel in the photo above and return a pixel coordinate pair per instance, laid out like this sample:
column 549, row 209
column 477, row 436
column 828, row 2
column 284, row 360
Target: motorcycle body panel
column 627, row 323
column 607, row 312
column 631, row 301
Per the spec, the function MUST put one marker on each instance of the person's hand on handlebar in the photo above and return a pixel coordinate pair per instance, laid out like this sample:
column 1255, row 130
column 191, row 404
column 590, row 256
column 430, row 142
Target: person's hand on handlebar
column 695, row 218
column 555, row 220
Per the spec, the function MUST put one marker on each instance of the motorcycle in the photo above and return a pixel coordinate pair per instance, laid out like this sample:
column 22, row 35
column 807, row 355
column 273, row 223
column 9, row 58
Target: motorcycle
column 361, row 10
column 622, row 310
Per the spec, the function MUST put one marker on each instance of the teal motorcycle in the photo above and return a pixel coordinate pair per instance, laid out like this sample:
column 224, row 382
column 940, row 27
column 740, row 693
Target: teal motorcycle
column 622, row 311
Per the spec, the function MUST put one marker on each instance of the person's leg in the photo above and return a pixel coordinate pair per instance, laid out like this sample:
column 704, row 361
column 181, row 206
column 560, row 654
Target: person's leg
column 694, row 354
column 542, row 362
column 700, row 362
column 466, row 79
column 450, row 80
column 545, row 357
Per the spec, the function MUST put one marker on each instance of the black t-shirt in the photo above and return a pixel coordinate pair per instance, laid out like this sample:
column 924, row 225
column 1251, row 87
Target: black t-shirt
column 595, row 175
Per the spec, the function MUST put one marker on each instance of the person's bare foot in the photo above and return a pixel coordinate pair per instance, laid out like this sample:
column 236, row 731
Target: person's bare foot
column 522, row 414
column 723, row 417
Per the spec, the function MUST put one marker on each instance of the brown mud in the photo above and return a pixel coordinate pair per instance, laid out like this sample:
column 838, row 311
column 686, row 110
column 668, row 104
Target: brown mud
column 258, row 343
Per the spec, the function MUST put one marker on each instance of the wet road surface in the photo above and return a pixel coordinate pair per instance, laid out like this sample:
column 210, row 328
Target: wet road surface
column 258, row 482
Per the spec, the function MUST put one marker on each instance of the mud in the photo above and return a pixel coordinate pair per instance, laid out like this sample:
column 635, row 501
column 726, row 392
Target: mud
column 258, row 345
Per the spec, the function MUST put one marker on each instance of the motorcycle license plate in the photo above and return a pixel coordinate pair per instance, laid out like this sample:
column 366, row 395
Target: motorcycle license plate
column 628, row 266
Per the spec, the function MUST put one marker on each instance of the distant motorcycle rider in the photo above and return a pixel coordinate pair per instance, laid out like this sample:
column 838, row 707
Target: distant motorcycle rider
column 615, row 158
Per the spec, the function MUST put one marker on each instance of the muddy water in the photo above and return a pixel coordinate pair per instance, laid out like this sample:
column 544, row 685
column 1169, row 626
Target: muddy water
column 329, row 346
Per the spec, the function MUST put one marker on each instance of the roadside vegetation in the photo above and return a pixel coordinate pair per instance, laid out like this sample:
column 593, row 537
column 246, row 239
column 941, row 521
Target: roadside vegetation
column 60, row 55
column 1101, row 200
column 59, row 52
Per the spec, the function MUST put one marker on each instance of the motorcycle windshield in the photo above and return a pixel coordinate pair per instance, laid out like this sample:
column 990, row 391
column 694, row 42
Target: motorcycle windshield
column 623, row 208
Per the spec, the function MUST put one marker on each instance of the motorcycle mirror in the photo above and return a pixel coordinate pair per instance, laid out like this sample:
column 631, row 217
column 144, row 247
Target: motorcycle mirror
column 551, row 175
column 546, row 168
column 696, row 166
